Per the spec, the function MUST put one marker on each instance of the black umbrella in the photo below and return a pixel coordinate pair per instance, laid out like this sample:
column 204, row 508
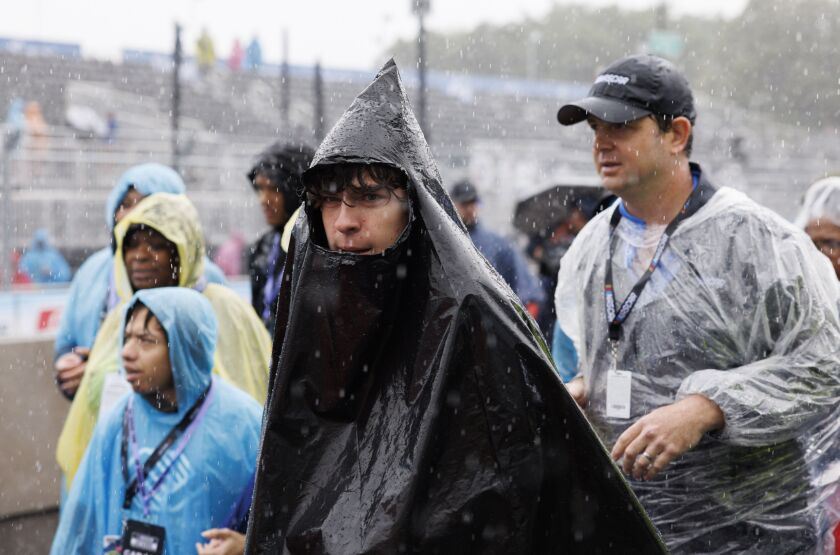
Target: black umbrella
column 541, row 212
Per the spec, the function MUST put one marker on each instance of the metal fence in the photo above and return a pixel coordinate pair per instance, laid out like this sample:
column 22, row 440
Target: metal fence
column 60, row 182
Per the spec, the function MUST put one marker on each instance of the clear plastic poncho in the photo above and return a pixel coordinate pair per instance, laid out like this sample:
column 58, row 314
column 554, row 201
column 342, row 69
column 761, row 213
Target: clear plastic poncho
column 205, row 481
column 742, row 310
column 822, row 202
column 243, row 349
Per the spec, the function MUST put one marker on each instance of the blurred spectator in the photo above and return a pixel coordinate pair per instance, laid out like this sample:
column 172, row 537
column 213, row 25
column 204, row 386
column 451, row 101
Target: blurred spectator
column 15, row 123
column 253, row 55
column 229, row 254
column 205, row 52
column 113, row 127
column 236, row 56
column 35, row 124
column 38, row 142
column 275, row 178
column 548, row 247
column 820, row 218
column 502, row 255
column 177, row 451
column 14, row 115
column 42, row 262
column 19, row 277
column 562, row 348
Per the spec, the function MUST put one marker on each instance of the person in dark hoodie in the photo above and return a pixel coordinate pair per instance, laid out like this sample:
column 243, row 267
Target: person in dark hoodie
column 275, row 177
column 412, row 403
column 499, row 251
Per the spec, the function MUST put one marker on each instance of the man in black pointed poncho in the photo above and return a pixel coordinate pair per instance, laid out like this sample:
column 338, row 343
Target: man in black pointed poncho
column 412, row 405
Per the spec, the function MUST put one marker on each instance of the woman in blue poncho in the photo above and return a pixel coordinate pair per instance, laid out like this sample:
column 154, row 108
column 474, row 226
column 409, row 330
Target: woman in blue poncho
column 92, row 293
column 168, row 342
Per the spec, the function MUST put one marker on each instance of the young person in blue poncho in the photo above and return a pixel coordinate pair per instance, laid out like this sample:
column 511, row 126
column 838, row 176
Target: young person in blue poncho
column 93, row 294
column 169, row 337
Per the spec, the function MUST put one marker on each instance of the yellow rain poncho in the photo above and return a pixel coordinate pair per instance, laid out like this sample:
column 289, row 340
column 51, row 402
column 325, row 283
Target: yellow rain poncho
column 243, row 349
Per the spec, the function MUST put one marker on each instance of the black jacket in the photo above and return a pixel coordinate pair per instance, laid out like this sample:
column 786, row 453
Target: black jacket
column 258, row 260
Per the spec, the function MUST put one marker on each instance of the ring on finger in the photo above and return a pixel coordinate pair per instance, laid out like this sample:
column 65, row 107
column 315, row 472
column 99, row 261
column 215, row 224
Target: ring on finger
column 647, row 457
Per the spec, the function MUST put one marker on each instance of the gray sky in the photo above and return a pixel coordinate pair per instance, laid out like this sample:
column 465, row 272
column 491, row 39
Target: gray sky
column 339, row 33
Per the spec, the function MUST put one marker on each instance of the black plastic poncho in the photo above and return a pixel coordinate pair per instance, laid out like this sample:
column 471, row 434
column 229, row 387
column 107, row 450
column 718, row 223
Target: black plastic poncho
column 413, row 406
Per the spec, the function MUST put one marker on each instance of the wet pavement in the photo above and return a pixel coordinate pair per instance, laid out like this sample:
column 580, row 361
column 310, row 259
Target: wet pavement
column 28, row 535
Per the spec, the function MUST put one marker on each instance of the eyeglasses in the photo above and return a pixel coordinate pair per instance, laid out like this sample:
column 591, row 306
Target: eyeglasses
column 376, row 197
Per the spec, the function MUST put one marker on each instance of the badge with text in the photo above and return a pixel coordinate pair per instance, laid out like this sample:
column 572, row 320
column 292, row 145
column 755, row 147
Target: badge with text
column 140, row 538
column 619, row 383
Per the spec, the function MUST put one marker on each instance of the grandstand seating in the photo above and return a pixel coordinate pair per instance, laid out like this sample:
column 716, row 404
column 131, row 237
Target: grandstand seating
column 228, row 117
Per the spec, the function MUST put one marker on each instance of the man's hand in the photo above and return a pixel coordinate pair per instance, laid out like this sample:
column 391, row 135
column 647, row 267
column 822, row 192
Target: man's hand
column 223, row 541
column 577, row 390
column 656, row 439
column 69, row 369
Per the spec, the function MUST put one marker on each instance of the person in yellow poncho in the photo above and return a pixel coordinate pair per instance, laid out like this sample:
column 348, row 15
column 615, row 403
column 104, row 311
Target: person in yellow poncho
column 161, row 243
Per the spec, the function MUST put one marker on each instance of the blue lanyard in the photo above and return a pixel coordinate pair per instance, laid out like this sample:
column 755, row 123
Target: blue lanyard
column 184, row 428
column 272, row 283
column 616, row 316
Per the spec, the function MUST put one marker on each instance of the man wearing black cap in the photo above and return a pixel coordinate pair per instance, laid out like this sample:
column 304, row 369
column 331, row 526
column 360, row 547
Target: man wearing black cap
column 705, row 330
column 498, row 251
column 275, row 177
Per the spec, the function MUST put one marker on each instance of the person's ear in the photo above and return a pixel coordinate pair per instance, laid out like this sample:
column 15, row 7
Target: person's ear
column 680, row 134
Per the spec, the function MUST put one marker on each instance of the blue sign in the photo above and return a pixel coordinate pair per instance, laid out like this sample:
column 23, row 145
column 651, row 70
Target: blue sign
column 41, row 48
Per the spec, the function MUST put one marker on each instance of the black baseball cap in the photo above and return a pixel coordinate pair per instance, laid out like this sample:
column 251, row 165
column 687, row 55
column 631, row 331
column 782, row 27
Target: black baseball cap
column 463, row 192
column 631, row 88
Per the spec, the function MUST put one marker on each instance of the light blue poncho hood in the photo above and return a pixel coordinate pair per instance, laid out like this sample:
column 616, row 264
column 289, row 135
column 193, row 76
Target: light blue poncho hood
column 146, row 179
column 190, row 325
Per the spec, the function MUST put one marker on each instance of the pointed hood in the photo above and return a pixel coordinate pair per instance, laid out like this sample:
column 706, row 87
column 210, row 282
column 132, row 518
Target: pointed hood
column 380, row 126
column 412, row 403
column 190, row 325
column 174, row 217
